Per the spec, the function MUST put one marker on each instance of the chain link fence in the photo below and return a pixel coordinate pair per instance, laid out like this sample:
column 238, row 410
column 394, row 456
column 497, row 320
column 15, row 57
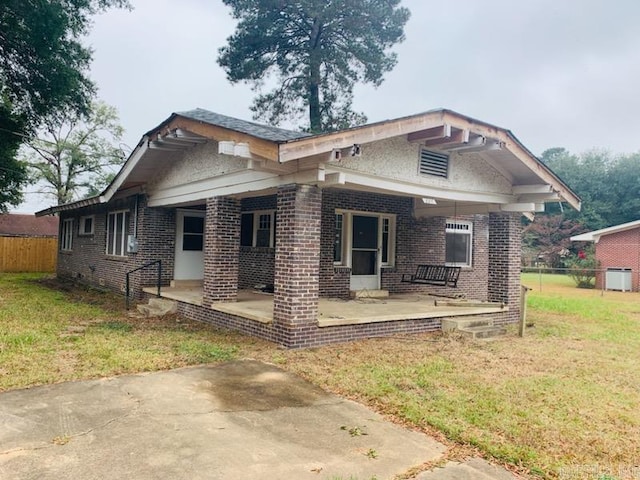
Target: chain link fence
column 599, row 280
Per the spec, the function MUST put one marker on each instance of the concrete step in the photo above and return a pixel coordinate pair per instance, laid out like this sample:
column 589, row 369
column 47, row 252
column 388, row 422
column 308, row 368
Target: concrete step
column 483, row 331
column 474, row 469
column 449, row 324
column 157, row 307
column 369, row 293
column 186, row 283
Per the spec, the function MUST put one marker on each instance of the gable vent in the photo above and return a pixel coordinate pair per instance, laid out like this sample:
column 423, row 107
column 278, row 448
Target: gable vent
column 435, row 164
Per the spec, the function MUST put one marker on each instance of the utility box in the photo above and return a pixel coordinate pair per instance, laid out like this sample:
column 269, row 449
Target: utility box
column 618, row 279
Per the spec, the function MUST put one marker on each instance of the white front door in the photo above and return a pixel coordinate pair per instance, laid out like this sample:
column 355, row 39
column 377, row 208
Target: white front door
column 189, row 262
column 365, row 258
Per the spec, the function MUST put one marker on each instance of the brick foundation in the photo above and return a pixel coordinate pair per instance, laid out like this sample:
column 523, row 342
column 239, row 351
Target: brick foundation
column 310, row 336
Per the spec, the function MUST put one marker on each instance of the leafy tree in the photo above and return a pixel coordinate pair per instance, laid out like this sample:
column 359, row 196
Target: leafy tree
column 43, row 73
column 548, row 236
column 623, row 190
column 13, row 173
column 317, row 51
column 609, row 185
column 73, row 156
column 43, row 65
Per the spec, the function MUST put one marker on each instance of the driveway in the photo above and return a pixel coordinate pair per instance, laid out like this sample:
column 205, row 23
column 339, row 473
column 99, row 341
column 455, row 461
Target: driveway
column 238, row 420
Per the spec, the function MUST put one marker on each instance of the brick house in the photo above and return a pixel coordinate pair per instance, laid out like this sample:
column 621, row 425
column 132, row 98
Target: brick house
column 617, row 249
column 228, row 204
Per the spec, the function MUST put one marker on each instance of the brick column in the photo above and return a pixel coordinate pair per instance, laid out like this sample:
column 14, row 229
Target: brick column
column 221, row 250
column 297, row 264
column 505, row 242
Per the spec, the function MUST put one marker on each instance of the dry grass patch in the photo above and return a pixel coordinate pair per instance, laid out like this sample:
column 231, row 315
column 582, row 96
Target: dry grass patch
column 568, row 394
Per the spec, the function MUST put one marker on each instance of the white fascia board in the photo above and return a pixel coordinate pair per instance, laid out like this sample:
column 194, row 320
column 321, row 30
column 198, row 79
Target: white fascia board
column 595, row 235
column 539, row 198
column 451, row 210
column 584, row 237
column 532, row 189
column 126, row 169
column 519, row 207
column 232, row 184
column 418, row 190
column 203, row 189
column 322, row 144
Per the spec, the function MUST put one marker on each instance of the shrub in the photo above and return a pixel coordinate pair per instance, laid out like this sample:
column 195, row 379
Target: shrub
column 582, row 269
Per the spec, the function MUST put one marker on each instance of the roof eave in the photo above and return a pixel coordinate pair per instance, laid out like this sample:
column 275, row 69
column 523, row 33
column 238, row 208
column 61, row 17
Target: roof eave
column 86, row 202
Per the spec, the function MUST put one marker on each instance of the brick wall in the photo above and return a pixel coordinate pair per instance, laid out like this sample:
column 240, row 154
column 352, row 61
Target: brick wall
column 619, row 250
column 221, row 250
column 156, row 241
column 88, row 261
column 417, row 242
column 505, row 242
column 257, row 263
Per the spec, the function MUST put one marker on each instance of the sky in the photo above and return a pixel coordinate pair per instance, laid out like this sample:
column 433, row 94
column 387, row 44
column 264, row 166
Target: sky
column 557, row 73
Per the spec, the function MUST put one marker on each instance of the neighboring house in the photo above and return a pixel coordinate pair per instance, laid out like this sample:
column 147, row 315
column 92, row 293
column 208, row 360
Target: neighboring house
column 228, row 204
column 22, row 225
column 28, row 243
column 618, row 255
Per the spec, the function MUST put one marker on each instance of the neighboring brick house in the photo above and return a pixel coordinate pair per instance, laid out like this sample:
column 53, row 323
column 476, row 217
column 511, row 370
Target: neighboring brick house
column 617, row 250
column 231, row 204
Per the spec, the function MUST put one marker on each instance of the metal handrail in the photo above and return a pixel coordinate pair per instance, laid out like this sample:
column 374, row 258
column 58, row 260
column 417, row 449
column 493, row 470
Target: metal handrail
column 146, row 265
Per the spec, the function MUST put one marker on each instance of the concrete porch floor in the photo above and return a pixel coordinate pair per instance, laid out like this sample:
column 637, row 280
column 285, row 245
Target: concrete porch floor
column 333, row 311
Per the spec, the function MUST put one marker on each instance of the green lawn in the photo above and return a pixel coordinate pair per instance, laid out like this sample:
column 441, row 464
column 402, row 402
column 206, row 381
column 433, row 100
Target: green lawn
column 565, row 398
column 50, row 335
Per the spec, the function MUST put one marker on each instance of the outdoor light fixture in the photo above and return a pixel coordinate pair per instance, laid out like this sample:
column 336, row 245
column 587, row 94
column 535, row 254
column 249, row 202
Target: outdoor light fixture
column 429, row 201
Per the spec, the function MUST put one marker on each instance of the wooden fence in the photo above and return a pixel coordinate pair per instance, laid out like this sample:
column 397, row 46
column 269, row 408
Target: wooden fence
column 28, row 254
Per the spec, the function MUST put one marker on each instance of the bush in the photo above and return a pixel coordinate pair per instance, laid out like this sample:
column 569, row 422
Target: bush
column 582, row 269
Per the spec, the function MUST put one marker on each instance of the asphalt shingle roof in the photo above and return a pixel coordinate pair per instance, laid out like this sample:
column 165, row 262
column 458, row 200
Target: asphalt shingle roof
column 19, row 225
column 264, row 132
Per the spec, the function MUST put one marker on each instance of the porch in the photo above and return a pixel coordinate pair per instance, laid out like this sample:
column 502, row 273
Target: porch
column 334, row 312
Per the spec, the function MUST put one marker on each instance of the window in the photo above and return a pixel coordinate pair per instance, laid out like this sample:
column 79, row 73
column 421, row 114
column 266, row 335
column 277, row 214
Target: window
column 86, row 225
column 263, row 232
column 66, row 234
column 246, row 230
column 193, row 233
column 257, row 229
column 117, row 229
column 458, row 243
column 385, row 240
column 434, row 163
column 388, row 240
column 338, row 241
